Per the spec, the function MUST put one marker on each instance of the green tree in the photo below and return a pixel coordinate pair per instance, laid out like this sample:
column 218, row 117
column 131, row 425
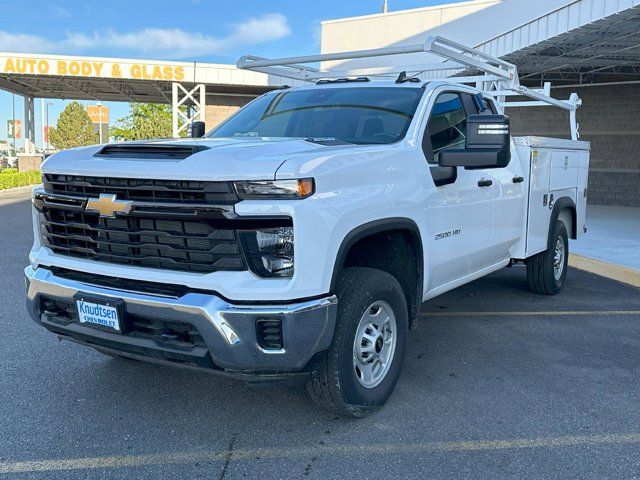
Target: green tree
column 74, row 128
column 144, row 121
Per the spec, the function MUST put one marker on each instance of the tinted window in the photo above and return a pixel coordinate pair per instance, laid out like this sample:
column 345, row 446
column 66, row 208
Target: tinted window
column 470, row 103
column 491, row 108
column 363, row 115
column 447, row 126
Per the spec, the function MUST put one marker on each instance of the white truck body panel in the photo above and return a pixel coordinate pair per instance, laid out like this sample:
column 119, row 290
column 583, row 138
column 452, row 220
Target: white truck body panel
column 553, row 167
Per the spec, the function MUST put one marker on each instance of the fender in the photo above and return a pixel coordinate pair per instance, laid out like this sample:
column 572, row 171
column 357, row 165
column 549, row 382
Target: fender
column 560, row 204
column 380, row 226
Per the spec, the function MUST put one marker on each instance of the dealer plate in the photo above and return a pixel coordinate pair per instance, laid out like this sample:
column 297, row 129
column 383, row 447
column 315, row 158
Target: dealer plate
column 104, row 314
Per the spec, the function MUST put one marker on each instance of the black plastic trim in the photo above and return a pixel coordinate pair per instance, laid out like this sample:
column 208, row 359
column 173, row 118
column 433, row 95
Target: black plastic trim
column 371, row 228
column 443, row 175
column 150, row 150
column 559, row 205
column 161, row 289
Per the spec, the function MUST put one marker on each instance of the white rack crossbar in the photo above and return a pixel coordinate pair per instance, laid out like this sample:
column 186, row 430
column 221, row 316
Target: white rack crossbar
column 499, row 78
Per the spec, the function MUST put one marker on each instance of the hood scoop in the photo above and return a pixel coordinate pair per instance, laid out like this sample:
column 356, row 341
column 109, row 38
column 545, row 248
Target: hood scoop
column 149, row 151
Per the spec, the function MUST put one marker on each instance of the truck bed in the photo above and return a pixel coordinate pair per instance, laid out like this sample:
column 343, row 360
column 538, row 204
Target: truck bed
column 554, row 170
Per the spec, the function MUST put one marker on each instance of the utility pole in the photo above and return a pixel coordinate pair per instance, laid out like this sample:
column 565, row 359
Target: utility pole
column 100, row 120
column 44, row 131
column 13, row 97
column 46, row 108
column 385, row 6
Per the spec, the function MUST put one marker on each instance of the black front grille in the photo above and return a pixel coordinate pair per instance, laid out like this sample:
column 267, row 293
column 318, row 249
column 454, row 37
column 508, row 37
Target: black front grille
column 192, row 245
column 147, row 190
column 58, row 311
column 166, row 333
column 177, row 342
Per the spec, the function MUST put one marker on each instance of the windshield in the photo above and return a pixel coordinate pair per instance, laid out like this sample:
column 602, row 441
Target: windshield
column 362, row 115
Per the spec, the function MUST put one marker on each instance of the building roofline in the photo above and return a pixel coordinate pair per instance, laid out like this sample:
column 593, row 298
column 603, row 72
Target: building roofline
column 409, row 11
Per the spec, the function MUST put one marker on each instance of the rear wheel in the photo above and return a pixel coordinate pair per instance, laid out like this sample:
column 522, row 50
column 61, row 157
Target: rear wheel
column 363, row 364
column 546, row 271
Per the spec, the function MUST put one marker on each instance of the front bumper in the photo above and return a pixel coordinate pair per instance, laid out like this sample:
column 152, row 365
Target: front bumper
column 227, row 334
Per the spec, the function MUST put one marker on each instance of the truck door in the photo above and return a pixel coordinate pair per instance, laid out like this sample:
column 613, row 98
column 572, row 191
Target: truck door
column 460, row 205
column 509, row 205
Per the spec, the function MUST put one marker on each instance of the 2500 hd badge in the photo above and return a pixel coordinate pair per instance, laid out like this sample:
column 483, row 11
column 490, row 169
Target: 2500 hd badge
column 450, row 233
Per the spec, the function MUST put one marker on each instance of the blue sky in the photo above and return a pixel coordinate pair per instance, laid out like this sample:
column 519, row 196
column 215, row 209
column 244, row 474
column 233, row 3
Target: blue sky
column 207, row 30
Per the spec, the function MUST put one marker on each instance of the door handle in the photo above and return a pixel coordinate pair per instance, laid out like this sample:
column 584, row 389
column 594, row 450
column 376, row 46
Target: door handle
column 518, row 179
column 485, row 183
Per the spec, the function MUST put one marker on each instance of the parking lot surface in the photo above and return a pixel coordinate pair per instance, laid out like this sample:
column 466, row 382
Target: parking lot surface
column 497, row 383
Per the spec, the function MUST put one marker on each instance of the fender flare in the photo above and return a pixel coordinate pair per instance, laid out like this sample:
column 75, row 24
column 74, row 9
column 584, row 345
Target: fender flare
column 372, row 228
column 559, row 205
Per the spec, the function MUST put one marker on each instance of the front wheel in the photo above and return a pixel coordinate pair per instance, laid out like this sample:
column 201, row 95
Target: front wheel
column 363, row 364
column 546, row 271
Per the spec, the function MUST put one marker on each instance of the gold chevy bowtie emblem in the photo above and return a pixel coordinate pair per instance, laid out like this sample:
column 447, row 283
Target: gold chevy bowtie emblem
column 108, row 206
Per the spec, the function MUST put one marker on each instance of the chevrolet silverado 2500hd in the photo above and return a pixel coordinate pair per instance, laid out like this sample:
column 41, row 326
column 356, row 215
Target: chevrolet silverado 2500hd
column 298, row 239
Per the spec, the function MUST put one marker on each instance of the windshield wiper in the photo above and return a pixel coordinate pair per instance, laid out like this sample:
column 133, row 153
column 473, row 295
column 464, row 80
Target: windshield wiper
column 327, row 141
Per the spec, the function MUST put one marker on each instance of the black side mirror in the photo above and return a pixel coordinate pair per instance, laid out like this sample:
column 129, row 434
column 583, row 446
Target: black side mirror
column 488, row 144
column 197, row 129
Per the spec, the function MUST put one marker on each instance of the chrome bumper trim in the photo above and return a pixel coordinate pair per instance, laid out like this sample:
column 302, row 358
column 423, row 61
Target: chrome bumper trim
column 234, row 324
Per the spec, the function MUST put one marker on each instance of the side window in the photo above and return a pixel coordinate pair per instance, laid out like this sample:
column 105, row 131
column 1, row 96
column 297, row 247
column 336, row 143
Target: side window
column 447, row 126
column 470, row 103
column 491, row 106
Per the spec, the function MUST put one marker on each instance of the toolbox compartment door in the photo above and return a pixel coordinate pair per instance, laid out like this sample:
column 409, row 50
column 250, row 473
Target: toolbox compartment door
column 539, row 213
column 565, row 166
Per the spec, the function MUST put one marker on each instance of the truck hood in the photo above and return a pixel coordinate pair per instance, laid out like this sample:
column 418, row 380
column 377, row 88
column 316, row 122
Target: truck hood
column 223, row 159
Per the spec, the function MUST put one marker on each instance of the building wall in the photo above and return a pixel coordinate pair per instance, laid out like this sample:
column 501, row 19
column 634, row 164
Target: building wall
column 610, row 119
column 220, row 108
column 470, row 23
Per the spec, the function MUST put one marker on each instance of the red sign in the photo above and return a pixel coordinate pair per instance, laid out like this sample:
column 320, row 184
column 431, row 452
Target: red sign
column 14, row 130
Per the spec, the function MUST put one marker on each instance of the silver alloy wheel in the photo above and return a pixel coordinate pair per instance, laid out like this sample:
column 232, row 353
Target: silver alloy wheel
column 558, row 258
column 374, row 344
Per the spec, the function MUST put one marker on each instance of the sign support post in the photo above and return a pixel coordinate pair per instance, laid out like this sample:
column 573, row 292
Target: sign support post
column 29, row 126
column 196, row 97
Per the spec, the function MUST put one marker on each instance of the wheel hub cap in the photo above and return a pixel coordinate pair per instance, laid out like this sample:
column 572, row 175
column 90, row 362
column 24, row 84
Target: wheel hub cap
column 558, row 258
column 374, row 344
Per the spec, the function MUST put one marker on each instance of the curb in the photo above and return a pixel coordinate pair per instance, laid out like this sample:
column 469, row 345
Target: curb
column 627, row 275
column 9, row 192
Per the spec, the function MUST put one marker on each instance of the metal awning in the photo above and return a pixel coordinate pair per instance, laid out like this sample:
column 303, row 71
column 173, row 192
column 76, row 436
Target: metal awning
column 122, row 80
column 110, row 90
column 587, row 41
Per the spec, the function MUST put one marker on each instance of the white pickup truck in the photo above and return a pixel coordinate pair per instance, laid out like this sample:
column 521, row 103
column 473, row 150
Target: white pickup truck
column 298, row 240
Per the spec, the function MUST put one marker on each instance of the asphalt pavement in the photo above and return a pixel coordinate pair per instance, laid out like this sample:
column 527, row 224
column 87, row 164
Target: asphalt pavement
column 497, row 383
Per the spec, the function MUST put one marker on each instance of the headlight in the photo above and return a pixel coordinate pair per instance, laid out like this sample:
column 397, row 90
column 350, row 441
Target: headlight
column 269, row 251
column 282, row 189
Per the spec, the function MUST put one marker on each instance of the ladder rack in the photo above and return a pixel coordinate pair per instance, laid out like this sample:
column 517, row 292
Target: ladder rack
column 498, row 77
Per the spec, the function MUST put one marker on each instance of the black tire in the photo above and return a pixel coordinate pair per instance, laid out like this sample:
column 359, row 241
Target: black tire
column 334, row 386
column 541, row 267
